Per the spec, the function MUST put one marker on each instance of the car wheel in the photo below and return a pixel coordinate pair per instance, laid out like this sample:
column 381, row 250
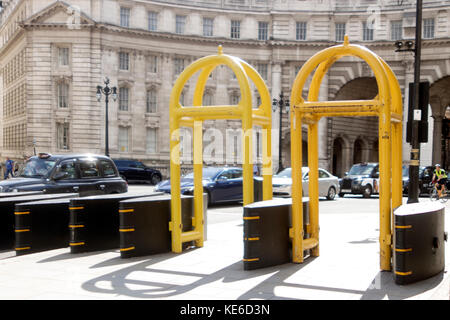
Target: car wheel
column 155, row 179
column 367, row 192
column 341, row 195
column 331, row 193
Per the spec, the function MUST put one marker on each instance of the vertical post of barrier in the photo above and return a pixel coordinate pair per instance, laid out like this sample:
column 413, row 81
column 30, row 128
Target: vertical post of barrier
column 313, row 163
column 267, row 162
column 297, row 205
column 384, row 132
column 198, row 181
column 175, row 224
column 247, row 144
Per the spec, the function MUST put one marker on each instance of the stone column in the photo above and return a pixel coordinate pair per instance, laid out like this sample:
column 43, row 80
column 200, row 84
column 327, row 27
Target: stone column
column 437, row 138
column 276, row 90
column 324, row 160
column 438, row 114
column 409, row 77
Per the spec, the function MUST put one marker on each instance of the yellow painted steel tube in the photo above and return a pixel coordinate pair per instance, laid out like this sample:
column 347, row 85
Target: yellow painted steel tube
column 198, row 182
column 313, row 182
column 263, row 116
column 296, row 165
column 267, row 162
column 397, row 130
column 339, row 106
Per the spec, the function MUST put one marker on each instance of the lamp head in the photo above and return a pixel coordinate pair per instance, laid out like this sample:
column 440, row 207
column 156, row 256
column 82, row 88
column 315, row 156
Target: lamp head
column 114, row 93
column 409, row 44
column 99, row 93
column 399, row 44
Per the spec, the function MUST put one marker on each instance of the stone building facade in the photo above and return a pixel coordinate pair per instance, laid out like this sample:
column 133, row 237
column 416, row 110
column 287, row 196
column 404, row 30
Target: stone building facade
column 54, row 54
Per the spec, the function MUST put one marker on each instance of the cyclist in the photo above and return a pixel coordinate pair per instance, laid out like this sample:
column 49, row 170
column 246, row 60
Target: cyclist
column 440, row 178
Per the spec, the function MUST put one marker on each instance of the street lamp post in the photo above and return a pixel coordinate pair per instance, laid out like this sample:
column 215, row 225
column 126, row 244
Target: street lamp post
column 107, row 91
column 413, row 194
column 280, row 103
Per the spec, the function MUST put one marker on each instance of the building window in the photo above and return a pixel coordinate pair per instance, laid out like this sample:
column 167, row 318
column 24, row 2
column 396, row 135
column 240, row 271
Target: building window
column 152, row 135
column 396, row 30
column 63, row 95
column 152, row 62
column 152, row 21
column 367, row 32
column 178, row 65
column 263, row 30
column 340, row 31
column 151, row 101
column 428, row 28
column 62, row 136
column 207, row 99
column 123, row 98
column 234, row 99
column 180, row 24
column 124, row 139
column 208, row 27
column 262, row 70
column 124, row 17
column 235, row 29
column 300, row 31
column 124, row 61
column 63, row 55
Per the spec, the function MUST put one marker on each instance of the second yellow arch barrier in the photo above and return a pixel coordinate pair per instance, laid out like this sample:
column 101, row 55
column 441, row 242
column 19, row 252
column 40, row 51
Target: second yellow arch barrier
column 387, row 106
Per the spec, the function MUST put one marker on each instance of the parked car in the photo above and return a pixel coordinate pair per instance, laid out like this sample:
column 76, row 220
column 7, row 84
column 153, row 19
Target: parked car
column 425, row 176
column 132, row 170
column 86, row 174
column 361, row 179
column 222, row 184
column 328, row 184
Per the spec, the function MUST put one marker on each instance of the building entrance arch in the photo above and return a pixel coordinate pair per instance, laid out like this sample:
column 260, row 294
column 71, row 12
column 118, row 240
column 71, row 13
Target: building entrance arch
column 387, row 106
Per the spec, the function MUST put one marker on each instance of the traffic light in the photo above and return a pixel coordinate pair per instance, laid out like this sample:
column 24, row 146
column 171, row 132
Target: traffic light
column 424, row 100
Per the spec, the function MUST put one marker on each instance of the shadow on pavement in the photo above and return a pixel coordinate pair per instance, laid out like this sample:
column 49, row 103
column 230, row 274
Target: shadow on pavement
column 384, row 287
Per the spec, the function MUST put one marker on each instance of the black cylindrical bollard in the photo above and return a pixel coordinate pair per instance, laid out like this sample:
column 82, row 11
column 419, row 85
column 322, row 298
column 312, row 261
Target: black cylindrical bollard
column 419, row 238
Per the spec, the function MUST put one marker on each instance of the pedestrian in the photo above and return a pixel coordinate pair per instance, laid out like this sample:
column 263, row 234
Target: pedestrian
column 255, row 169
column 9, row 165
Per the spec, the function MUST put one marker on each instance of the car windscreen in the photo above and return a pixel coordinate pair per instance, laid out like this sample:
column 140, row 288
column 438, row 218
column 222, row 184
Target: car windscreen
column 37, row 168
column 360, row 170
column 286, row 173
column 208, row 173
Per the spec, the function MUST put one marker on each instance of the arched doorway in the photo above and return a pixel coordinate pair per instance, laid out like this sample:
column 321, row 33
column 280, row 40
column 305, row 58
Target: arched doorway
column 362, row 88
column 374, row 152
column 358, row 151
column 338, row 156
column 439, row 101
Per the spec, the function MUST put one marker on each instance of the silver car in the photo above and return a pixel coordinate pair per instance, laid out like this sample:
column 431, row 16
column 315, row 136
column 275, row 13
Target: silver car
column 328, row 184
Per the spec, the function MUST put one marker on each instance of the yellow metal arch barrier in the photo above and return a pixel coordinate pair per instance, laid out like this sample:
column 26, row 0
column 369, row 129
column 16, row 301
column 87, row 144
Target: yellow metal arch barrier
column 193, row 116
column 387, row 106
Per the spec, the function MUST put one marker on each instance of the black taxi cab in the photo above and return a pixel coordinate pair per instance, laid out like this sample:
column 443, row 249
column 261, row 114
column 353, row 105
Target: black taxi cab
column 85, row 174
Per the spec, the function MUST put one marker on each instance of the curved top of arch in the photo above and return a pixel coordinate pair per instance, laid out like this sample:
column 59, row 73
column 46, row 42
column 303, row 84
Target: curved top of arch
column 322, row 61
column 243, row 71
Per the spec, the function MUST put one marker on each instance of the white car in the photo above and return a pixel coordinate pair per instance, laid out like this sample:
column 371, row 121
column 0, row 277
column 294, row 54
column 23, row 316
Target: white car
column 328, row 184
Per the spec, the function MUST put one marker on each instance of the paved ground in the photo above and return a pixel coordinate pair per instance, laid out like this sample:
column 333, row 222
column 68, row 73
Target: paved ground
column 346, row 269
